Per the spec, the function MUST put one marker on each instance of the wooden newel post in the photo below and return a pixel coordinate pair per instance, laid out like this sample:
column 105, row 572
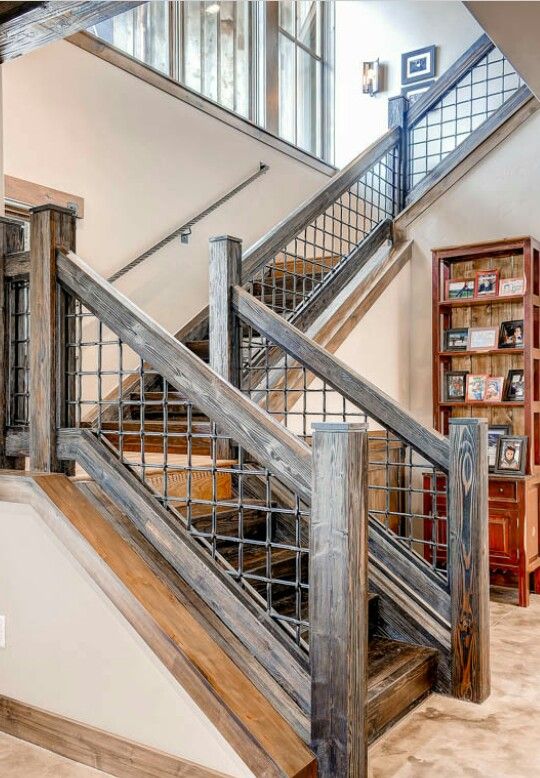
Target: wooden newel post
column 52, row 228
column 338, row 609
column 11, row 242
column 225, row 271
column 468, row 555
column 398, row 108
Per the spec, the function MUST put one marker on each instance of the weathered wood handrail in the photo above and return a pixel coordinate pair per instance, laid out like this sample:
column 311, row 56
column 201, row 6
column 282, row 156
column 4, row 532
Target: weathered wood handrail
column 278, row 237
column 450, row 77
column 362, row 393
column 265, row 438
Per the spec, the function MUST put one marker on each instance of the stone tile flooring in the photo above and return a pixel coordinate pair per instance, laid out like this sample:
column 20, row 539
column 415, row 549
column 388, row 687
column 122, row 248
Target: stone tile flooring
column 444, row 738
column 19, row 759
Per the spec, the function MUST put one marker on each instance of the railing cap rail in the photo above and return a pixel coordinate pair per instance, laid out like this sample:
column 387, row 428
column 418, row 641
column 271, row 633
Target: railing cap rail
column 449, row 79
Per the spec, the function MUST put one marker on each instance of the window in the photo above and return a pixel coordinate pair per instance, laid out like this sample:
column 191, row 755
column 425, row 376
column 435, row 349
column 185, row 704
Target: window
column 268, row 62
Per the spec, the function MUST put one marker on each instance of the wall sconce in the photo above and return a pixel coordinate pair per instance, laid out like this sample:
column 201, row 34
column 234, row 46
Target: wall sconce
column 370, row 77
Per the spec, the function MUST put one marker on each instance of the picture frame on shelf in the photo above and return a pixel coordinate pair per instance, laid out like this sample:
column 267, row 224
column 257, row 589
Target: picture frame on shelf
column 512, row 287
column 476, row 387
column 454, row 386
column 456, row 339
column 495, row 432
column 418, row 65
column 459, row 289
column 482, row 338
column 494, row 389
column 511, row 334
column 511, row 455
column 486, row 283
column 514, row 390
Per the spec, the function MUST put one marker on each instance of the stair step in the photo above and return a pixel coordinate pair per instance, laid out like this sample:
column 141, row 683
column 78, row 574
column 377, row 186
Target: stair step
column 313, row 266
column 177, row 440
column 400, row 675
column 200, row 348
column 177, row 406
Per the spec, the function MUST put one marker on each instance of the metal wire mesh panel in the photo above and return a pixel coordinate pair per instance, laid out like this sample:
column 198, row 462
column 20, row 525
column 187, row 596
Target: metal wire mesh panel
column 484, row 89
column 18, row 324
column 250, row 524
column 316, row 253
column 407, row 497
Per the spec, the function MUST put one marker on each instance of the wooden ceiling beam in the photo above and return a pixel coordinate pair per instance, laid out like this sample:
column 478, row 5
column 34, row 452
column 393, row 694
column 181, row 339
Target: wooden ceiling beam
column 27, row 26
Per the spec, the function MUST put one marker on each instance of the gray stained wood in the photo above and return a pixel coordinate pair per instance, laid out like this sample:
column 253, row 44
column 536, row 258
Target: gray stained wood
column 479, row 49
column 347, row 382
column 42, row 23
column 259, row 633
column 52, row 228
column 265, row 438
column 93, row 747
column 11, row 244
column 468, row 559
column 497, row 119
column 338, row 603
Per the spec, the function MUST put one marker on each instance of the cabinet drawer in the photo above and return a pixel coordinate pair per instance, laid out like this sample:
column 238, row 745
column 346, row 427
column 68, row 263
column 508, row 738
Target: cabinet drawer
column 502, row 490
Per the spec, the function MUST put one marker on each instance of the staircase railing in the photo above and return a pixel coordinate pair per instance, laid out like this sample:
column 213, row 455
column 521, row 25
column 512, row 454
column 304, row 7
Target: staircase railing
column 198, row 485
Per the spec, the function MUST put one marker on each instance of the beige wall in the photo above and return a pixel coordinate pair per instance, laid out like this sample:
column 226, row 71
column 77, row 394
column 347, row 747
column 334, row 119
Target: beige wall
column 70, row 652
column 499, row 198
column 369, row 30
column 144, row 162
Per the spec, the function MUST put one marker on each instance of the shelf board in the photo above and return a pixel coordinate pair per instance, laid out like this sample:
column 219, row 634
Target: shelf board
column 515, row 298
column 454, row 404
column 481, row 353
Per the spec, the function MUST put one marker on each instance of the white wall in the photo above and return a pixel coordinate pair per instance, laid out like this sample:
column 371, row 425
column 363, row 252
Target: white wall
column 144, row 162
column 69, row 651
column 369, row 29
column 499, row 198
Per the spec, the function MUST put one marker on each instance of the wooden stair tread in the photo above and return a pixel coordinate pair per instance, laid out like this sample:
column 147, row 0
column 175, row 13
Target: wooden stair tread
column 199, row 347
column 399, row 676
column 157, row 462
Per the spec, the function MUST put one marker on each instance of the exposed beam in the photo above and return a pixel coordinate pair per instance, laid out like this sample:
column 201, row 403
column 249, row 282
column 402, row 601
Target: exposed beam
column 25, row 29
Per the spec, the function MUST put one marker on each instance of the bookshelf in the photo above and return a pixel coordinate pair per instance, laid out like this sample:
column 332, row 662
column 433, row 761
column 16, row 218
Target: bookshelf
column 513, row 496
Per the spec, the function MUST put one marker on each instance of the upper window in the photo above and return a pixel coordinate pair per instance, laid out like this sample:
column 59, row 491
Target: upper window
column 266, row 61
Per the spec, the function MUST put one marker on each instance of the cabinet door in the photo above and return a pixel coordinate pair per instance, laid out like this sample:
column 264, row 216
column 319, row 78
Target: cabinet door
column 503, row 536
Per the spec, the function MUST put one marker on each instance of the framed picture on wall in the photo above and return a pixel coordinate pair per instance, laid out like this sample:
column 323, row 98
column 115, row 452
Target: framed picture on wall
column 418, row 65
column 414, row 91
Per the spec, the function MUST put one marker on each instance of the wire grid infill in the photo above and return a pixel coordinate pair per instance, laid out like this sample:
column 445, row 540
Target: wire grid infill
column 486, row 87
column 18, row 322
column 298, row 270
column 410, row 512
column 250, row 523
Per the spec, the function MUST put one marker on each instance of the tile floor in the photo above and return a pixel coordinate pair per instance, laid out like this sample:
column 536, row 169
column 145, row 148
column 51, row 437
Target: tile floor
column 444, row 738
column 24, row 760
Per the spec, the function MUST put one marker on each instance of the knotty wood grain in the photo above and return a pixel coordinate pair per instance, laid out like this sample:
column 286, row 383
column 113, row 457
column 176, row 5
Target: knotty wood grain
column 338, row 604
column 51, row 228
column 468, row 555
column 265, row 438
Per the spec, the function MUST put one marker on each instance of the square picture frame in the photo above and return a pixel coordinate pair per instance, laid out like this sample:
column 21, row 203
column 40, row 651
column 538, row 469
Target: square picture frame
column 512, row 287
column 456, row 339
column 482, row 338
column 511, row 455
column 455, row 385
column 495, row 431
column 486, row 283
column 514, row 390
column 459, row 289
column 476, row 388
column 418, row 65
column 511, row 334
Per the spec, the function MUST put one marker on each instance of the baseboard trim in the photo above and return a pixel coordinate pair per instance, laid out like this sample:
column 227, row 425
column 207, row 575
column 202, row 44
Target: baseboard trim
column 93, row 747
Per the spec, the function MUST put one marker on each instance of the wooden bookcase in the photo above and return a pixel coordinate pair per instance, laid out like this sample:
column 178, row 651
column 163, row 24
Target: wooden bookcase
column 513, row 499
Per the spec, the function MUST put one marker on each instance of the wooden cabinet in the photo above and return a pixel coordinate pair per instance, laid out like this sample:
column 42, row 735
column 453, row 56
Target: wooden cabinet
column 513, row 500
